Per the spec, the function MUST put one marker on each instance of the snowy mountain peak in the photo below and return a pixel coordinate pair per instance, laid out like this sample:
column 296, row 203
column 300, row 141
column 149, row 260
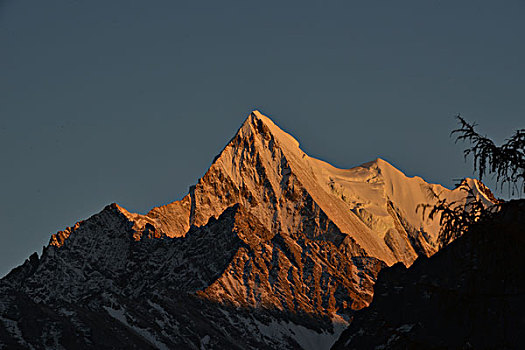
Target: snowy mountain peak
column 267, row 228
column 263, row 169
column 258, row 123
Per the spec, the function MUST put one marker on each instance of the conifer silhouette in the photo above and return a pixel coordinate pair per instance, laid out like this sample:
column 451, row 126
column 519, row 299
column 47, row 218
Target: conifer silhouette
column 506, row 163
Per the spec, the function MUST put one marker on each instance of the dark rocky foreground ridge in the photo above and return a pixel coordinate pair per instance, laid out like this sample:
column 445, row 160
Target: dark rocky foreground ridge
column 270, row 249
column 469, row 295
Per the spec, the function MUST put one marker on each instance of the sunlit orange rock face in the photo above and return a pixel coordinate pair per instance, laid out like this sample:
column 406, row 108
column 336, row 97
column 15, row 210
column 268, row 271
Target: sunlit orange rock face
column 267, row 234
column 59, row 238
column 273, row 270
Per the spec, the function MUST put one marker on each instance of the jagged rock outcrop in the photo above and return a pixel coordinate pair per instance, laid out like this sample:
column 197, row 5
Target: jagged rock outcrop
column 270, row 246
column 107, row 287
column 469, row 295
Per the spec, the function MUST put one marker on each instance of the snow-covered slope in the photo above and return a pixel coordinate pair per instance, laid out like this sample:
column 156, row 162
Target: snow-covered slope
column 270, row 243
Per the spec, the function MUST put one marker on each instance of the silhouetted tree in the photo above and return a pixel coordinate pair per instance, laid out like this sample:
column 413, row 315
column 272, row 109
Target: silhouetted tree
column 456, row 217
column 506, row 163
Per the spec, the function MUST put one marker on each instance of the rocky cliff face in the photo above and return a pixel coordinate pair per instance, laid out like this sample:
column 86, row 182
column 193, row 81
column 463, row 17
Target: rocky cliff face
column 469, row 295
column 267, row 250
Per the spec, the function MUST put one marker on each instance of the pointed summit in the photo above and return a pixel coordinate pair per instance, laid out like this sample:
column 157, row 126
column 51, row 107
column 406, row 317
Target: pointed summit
column 261, row 118
column 256, row 117
column 259, row 124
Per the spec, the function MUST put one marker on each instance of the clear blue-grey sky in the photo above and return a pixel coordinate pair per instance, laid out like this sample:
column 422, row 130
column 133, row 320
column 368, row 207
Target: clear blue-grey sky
column 129, row 101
